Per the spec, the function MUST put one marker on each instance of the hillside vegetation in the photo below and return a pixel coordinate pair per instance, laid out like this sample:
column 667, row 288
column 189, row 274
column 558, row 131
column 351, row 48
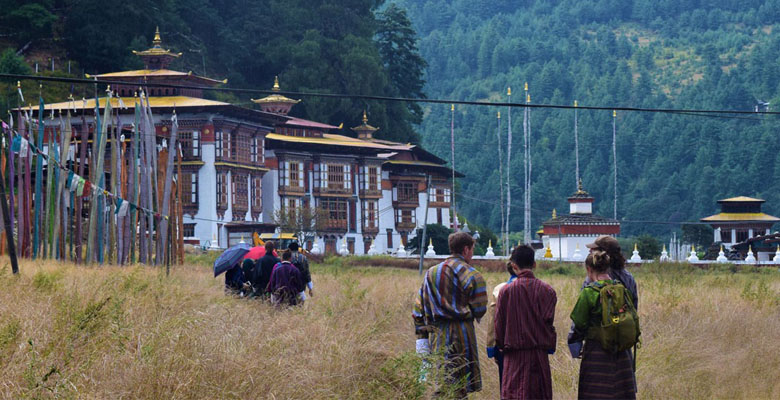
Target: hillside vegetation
column 691, row 54
column 111, row 332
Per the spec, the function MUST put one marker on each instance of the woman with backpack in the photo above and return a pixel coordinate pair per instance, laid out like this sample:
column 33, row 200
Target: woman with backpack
column 606, row 368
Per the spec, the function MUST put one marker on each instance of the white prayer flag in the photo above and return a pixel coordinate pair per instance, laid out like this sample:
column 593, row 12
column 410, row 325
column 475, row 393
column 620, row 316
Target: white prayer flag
column 123, row 209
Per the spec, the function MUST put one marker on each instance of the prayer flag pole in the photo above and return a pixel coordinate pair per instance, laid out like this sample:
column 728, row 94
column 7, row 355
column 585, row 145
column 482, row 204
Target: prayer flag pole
column 501, row 183
column 614, row 159
column 508, row 160
column 38, row 183
column 576, row 148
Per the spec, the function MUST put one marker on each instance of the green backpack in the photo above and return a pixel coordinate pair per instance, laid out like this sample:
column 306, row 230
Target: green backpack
column 619, row 329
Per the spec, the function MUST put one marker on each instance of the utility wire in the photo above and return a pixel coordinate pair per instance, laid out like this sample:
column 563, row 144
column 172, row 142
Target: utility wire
column 386, row 98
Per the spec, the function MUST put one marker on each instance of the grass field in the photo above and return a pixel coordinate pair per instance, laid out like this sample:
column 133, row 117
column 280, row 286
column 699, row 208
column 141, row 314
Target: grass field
column 108, row 332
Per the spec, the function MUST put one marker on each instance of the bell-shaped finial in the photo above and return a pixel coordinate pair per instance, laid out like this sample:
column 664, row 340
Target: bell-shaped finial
column 276, row 87
column 157, row 41
column 555, row 214
column 365, row 117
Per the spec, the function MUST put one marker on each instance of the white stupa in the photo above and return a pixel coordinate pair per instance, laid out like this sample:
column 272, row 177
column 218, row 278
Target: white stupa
column 214, row 245
column 751, row 258
column 721, row 256
column 776, row 259
column 344, row 251
column 577, row 256
column 489, row 252
column 372, row 249
column 693, row 257
column 430, row 252
column 635, row 255
column 401, row 252
column 315, row 248
column 664, row 255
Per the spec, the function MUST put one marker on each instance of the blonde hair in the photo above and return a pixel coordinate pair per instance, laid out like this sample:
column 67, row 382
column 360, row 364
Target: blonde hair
column 598, row 260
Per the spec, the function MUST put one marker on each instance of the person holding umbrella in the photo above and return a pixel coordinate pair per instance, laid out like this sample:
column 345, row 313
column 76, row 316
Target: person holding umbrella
column 229, row 262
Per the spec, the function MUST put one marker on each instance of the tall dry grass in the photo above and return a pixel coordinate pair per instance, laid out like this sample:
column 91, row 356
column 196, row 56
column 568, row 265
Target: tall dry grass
column 109, row 332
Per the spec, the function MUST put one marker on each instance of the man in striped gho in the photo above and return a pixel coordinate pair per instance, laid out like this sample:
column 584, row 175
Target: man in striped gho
column 452, row 296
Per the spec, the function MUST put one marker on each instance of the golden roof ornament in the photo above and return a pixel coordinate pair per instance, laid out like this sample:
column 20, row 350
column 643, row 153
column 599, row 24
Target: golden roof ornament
column 364, row 130
column 276, row 103
column 554, row 215
column 276, row 87
column 157, row 41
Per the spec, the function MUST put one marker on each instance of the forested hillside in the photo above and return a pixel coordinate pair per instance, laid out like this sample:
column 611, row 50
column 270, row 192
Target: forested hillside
column 688, row 54
column 344, row 46
column 645, row 53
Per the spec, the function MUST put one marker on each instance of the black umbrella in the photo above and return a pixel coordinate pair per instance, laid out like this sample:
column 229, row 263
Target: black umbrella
column 230, row 258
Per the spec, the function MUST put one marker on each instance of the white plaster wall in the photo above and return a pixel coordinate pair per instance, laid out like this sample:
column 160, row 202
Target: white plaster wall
column 568, row 245
column 580, row 208
column 205, row 225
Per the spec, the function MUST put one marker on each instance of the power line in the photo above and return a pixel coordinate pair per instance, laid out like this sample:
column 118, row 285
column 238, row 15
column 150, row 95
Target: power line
column 680, row 111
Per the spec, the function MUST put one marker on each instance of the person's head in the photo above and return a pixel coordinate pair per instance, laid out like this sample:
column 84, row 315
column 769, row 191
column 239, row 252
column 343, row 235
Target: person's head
column 247, row 263
column 598, row 262
column 611, row 246
column 522, row 258
column 269, row 247
column 287, row 255
column 461, row 243
column 293, row 246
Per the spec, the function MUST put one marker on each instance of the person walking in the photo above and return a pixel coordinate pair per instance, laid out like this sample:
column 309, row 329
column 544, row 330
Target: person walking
column 617, row 265
column 263, row 268
column 603, row 373
column 452, row 296
column 286, row 282
column 300, row 261
column 525, row 334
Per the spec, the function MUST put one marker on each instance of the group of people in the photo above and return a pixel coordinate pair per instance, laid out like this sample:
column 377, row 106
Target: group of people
column 521, row 335
column 282, row 281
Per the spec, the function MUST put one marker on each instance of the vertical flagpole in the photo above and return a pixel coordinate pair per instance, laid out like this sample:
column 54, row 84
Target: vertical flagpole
column 11, row 179
column 501, row 182
column 508, row 163
column 614, row 160
column 454, row 216
column 134, row 188
column 576, row 148
column 526, row 174
column 38, row 183
column 528, row 233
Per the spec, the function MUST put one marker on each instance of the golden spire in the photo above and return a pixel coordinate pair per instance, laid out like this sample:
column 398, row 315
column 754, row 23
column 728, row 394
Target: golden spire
column 664, row 249
column 157, row 41
column 498, row 114
column 490, row 242
column 635, row 249
column 614, row 113
column 527, row 98
column 721, row 248
column 365, row 117
column 430, row 241
column 575, row 103
column 555, row 215
column 693, row 248
column 509, row 91
column 276, row 87
column 548, row 252
column 452, row 107
column 526, row 86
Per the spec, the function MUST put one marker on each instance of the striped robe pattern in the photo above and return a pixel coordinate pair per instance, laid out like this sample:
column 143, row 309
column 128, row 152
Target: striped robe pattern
column 452, row 295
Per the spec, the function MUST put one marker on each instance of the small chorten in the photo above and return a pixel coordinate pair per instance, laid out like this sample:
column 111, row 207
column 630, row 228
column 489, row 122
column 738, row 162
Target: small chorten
column 372, row 249
column 401, row 252
column 157, row 57
column 577, row 256
column 635, row 255
column 276, row 103
column 430, row 252
column 214, row 245
column 548, row 252
column 364, row 130
column 242, row 240
column 721, row 256
column 344, row 250
column 693, row 257
column 489, row 252
column 664, row 255
column 315, row 248
column 776, row 259
column 751, row 258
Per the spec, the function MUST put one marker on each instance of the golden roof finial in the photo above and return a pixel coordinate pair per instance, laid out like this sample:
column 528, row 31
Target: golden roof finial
column 526, row 86
column 365, row 117
column 575, row 103
column 499, row 114
column 555, row 214
column 276, row 87
column 614, row 113
column 452, row 107
column 527, row 98
column 157, row 41
column 635, row 249
column 509, row 91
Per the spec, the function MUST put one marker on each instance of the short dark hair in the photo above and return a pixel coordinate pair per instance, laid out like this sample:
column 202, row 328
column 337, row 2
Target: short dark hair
column 269, row 247
column 287, row 255
column 293, row 246
column 458, row 241
column 523, row 256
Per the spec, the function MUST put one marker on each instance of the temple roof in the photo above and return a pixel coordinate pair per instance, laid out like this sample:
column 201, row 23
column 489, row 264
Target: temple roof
column 162, row 73
column 580, row 219
column 154, row 101
column 742, row 217
column 308, row 124
column 156, row 49
column 742, row 199
column 276, row 99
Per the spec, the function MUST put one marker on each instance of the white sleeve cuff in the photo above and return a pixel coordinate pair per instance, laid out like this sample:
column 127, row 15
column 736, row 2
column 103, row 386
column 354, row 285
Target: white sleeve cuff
column 422, row 346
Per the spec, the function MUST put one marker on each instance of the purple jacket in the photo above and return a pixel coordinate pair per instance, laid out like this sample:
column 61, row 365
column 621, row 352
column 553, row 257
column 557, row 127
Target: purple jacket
column 286, row 281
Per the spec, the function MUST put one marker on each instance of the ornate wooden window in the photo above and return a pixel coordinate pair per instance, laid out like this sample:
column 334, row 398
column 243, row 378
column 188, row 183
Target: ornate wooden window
column 219, row 144
column 337, row 212
column 189, row 230
column 257, row 196
column 222, row 191
column 405, row 216
column 335, row 176
column 240, row 196
column 190, row 145
column 253, row 149
column 370, row 214
column 407, row 192
column 189, row 191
